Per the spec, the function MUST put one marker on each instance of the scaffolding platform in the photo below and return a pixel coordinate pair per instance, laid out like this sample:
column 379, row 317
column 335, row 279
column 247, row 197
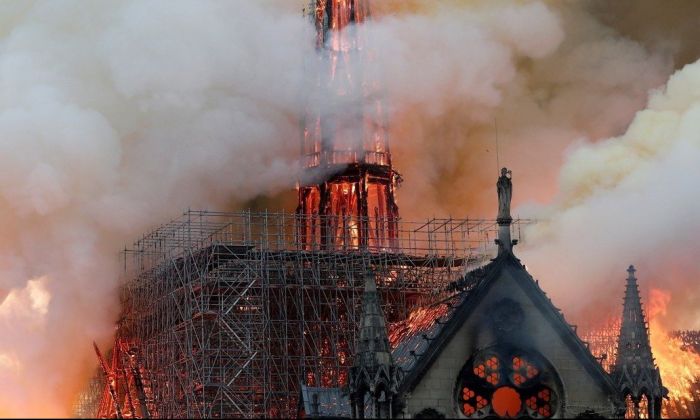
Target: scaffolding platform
column 231, row 312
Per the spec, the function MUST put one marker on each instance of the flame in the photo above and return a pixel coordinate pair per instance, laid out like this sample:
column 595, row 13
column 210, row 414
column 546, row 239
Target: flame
column 602, row 342
column 679, row 364
column 680, row 368
column 420, row 319
column 9, row 362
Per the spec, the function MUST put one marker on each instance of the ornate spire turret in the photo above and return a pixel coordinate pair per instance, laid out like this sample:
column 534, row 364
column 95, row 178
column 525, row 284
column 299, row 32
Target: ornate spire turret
column 373, row 376
column 635, row 372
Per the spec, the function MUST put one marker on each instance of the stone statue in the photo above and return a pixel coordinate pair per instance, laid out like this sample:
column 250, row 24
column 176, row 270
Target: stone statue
column 505, row 192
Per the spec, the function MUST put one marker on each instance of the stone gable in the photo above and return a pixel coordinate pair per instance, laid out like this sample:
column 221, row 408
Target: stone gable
column 487, row 326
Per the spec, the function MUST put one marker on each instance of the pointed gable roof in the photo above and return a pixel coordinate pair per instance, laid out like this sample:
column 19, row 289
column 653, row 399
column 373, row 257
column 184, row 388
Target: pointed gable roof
column 416, row 353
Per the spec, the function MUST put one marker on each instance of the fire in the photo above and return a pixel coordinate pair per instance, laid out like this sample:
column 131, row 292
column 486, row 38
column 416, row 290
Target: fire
column 680, row 368
column 603, row 342
column 353, row 207
column 127, row 390
column 678, row 363
column 419, row 319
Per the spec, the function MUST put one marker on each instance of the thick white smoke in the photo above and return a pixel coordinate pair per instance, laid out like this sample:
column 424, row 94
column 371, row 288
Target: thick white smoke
column 566, row 84
column 116, row 116
column 632, row 199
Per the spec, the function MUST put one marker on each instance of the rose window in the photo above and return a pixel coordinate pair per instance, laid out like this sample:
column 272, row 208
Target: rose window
column 508, row 384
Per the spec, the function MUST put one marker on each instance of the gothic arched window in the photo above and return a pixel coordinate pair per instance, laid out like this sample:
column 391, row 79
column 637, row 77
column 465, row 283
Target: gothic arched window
column 636, row 408
column 508, row 383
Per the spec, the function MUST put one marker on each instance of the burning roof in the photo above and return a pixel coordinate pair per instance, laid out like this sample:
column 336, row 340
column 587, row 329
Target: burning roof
column 418, row 340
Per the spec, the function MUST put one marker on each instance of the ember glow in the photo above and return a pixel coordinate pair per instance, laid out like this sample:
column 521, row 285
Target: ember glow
column 680, row 368
column 420, row 319
column 602, row 342
column 678, row 363
column 348, row 181
column 128, row 389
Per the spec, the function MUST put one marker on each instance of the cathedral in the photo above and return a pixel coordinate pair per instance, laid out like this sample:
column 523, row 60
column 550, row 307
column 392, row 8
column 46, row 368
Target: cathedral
column 502, row 350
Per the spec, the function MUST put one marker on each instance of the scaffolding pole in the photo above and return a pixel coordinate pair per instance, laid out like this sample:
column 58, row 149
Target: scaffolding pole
column 227, row 313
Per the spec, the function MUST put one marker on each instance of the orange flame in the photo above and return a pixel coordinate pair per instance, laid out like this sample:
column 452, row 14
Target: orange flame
column 420, row 319
column 679, row 364
column 680, row 368
column 602, row 342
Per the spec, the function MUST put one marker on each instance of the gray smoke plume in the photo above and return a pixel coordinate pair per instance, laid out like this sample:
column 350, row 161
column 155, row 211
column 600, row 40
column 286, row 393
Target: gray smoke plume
column 474, row 83
column 631, row 199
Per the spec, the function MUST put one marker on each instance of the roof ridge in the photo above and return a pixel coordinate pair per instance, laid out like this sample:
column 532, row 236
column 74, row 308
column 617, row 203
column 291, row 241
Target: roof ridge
column 463, row 309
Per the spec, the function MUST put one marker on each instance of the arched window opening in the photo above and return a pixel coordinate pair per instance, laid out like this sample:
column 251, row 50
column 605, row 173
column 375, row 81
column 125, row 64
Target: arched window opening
column 636, row 409
column 644, row 407
column 508, row 384
column 629, row 407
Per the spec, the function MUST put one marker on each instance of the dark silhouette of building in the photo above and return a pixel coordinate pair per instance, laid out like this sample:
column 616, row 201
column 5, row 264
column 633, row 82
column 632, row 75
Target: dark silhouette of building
column 501, row 349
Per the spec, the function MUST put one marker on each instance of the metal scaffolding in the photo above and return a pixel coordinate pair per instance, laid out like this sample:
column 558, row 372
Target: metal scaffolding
column 602, row 342
column 229, row 313
column 690, row 339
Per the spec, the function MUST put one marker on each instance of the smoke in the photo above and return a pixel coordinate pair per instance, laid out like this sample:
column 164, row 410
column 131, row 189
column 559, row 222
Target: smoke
column 116, row 116
column 548, row 89
column 472, row 85
column 631, row 199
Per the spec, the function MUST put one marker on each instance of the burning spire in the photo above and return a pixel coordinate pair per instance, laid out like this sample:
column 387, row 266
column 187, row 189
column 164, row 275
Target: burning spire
column 635, row 371
column 346, row 194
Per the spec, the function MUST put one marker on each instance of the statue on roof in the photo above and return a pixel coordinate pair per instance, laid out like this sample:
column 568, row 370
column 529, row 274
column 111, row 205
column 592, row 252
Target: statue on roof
column 505, row 193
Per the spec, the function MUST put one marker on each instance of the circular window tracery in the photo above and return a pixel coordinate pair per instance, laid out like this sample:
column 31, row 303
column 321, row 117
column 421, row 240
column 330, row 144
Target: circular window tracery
column 508, row 383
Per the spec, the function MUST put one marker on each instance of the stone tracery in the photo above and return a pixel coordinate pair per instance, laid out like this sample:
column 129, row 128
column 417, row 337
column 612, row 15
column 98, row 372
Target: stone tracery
column 507, row 383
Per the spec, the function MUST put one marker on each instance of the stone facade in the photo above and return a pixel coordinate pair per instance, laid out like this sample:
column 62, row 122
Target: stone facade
column 499, row 349
column 583, row 388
